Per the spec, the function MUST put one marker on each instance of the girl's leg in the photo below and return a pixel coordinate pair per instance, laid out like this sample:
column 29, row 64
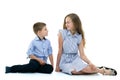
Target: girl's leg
column 31, row 67
column 92, row 70
column 87, row 70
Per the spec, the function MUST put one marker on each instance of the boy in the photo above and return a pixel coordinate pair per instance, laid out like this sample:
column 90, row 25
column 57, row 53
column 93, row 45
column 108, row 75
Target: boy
column 39, row 50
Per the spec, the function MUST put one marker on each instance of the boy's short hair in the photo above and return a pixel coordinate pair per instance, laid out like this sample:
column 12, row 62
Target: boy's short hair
column 38, row 26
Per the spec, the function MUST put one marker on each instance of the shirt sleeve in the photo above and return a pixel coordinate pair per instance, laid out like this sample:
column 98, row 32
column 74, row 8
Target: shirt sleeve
column 30, row 49
column 63, row 33
column 50, row 49
column 79, row 39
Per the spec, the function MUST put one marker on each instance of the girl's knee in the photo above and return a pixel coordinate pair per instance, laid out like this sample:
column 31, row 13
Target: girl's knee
column 93, row 68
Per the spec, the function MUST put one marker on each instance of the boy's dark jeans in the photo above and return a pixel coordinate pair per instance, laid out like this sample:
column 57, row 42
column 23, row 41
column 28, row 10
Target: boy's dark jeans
column 31, row 67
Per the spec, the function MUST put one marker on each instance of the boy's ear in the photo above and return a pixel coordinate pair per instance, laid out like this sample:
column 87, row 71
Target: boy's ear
column 38, row 32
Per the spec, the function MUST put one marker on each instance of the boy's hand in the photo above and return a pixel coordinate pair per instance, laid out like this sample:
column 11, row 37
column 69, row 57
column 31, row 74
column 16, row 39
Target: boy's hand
column 37, row 59
column 42, row 62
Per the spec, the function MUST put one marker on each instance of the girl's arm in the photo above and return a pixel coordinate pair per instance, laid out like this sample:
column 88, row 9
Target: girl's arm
column 51, row 60
column 82, row 54
column 60, row 43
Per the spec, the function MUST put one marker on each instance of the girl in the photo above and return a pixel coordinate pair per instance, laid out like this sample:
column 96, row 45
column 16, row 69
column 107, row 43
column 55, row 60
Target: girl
column 70, row 40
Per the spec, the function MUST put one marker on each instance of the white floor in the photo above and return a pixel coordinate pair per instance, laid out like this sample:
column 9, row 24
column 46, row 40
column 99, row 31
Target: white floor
column 54, row 76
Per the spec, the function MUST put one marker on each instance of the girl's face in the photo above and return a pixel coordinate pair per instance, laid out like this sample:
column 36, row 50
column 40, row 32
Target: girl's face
column 69, row 24
column 43, row 32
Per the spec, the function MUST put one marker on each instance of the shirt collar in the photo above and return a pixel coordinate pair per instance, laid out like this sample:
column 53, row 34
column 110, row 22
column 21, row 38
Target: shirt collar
column 38, row 38
column 70, row 34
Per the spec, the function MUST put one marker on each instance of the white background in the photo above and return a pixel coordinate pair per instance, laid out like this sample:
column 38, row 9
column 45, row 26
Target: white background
column 100, row 20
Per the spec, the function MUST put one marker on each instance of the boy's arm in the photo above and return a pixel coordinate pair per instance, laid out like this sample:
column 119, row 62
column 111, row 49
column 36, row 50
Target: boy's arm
column 51, row 60
column 37, row 59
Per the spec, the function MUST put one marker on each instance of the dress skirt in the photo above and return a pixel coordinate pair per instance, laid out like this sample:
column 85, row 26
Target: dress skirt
column 70, row 62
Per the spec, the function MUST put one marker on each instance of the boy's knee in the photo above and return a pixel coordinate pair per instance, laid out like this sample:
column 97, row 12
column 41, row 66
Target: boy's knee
column 46, row 69
column 34, row 64
column 50, row 69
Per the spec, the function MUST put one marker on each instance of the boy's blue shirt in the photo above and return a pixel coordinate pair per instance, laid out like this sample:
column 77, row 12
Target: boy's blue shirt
column 40, row 48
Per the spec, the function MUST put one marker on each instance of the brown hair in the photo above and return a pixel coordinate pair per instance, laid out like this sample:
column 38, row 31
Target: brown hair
column 38, row 26
column 77, row 24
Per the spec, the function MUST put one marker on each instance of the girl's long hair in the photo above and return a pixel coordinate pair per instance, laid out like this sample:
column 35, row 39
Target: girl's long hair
column 77, row 24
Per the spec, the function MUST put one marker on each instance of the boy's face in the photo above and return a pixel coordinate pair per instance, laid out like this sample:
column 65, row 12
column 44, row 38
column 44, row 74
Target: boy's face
column 43, row 32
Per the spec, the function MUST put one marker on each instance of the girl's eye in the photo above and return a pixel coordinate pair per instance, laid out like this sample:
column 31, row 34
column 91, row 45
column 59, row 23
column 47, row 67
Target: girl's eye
column 67, row 22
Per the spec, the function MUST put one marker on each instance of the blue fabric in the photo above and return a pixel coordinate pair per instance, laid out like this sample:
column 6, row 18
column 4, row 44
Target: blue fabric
column 70, row 42
column 40, row 48
column 70, row 60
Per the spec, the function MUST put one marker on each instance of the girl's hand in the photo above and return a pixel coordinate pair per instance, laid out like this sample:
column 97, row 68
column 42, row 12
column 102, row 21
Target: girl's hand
column 57, row 69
